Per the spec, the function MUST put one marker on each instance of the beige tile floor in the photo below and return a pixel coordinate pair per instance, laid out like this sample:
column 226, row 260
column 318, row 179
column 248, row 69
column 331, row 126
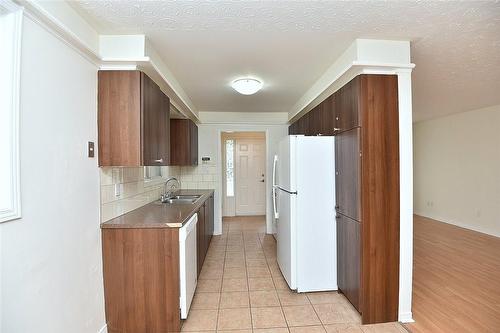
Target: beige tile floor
column 241, row 289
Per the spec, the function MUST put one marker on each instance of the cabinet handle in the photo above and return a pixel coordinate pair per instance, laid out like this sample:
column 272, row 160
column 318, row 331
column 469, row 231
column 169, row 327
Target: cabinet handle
column 336, row 129
column 159, row 161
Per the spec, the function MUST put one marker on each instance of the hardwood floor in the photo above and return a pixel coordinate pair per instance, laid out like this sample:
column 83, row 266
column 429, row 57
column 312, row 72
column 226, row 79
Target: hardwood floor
column 456, row 279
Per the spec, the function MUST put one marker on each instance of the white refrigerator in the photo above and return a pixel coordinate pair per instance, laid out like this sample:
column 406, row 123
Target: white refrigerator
column 304, row 209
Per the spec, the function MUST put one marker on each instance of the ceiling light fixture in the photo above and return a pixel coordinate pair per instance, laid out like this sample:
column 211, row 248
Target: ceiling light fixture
column 247, row 86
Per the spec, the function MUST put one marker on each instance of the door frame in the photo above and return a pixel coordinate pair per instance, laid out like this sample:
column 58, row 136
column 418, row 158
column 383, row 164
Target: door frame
column 221, row 168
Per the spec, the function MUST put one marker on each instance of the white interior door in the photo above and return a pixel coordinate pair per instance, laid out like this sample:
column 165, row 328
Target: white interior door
column 250, row 164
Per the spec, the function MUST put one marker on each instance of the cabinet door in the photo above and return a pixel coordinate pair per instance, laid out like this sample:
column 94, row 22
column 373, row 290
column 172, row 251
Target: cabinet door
column 164, row 129
column 327, row 115
column 193, row 147
column 348, row 173
column 152, row 104
column 347, row 105
column 200, row 236
column 303, row 124
column 348, row 258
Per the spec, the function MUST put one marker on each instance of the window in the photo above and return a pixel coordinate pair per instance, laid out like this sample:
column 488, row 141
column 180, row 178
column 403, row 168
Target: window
column 230, row 168
column 10, row 37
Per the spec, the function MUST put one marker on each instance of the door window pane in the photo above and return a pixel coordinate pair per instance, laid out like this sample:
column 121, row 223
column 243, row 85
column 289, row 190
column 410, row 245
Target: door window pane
column 230, row 168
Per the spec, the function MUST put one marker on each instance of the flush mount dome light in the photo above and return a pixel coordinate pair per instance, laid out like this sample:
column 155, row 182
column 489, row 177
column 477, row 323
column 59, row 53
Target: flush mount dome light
column 246, row 86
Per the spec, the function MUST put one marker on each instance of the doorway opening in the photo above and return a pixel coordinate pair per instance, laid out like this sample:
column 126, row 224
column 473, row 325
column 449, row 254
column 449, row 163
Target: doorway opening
column 243, row 173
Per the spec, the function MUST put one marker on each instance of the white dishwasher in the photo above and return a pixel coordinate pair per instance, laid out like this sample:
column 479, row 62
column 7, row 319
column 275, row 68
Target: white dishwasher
column 188, row 263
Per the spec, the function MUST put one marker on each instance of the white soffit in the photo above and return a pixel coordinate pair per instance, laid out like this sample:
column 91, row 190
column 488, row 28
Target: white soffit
column 363, row 56
column 135, row 52
column 109, row 51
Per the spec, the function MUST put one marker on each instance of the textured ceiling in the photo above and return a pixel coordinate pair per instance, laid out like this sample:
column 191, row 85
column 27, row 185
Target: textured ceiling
column 289, row 44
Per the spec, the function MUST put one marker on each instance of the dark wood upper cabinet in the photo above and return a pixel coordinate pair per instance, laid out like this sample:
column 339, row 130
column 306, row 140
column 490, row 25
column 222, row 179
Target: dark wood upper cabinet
column 183, row 142
column 327, row 114
column 133, row 120
column 347, row 105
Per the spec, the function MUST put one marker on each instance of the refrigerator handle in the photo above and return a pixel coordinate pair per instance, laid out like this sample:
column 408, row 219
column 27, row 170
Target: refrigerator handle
column 275, row 206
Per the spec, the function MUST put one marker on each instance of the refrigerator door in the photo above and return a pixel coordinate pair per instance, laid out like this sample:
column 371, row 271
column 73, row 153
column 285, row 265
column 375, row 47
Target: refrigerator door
column 286, row 236
column 315, row 214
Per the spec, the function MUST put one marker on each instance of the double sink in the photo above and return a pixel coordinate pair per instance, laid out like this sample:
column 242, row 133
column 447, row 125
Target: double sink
column 181, row 199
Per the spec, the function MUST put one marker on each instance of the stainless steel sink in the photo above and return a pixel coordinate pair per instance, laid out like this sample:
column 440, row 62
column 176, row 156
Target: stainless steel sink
column 182, row 199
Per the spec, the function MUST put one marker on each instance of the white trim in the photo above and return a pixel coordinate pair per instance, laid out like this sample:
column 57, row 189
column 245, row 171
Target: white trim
column 38, row 14
column 14, row 212
column 104, row 329
column 406, row 317
column 459, row 224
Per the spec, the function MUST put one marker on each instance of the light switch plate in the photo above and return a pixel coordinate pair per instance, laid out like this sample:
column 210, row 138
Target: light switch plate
column 90, row 149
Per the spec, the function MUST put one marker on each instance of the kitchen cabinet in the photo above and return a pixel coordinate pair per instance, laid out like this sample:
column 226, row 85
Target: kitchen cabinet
column 347, row 105
column 141, row 279
column 204, row 230
column 133, row 120
column 327, row 116
column 141, row 265
column 183, row 142
column 367, row 185
column 349, row 260
column 347, row 173
column 201, row 247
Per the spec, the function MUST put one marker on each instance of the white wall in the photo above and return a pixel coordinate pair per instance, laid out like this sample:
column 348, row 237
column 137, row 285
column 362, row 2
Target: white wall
column 457, row 169
column 210, row 145
column 51, row 270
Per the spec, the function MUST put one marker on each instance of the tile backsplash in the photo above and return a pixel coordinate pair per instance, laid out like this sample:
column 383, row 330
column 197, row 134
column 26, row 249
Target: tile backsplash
column 124, row 189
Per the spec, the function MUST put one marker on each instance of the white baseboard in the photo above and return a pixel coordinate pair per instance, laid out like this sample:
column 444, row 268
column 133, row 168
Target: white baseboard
column 406, row 317
column 458, row 224
column 104, row 329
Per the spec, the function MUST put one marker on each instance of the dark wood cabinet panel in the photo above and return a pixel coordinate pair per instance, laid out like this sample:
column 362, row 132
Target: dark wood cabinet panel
column 133, row 120
column 183, row 142
column 367, row 191
column 204, row 230
column 347, row 105
column 303, row 125
column 348, row 173
column 201, row 239
column 380, row 197
column 327, row 115
column 315, row 120
column 141, row 280
column 349, row 258
column 119, row 119
column 155, row 107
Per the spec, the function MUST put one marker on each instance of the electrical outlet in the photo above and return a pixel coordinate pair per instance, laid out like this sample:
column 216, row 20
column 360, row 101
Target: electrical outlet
column 118, row 190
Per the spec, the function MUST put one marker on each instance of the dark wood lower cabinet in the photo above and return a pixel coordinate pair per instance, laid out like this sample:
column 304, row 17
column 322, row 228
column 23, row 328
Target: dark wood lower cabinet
column 204, row 230
column 141, row 279
column 141, row 274
column 201, row 247
column 349, row 258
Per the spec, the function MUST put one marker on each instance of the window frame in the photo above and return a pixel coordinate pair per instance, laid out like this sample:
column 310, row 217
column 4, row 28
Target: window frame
column 11, row 19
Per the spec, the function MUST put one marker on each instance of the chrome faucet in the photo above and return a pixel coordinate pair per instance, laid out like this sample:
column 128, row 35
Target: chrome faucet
column 168, row 191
